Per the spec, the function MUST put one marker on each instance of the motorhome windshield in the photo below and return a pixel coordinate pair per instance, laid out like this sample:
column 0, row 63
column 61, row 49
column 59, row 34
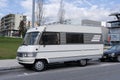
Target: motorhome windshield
column 30, row 38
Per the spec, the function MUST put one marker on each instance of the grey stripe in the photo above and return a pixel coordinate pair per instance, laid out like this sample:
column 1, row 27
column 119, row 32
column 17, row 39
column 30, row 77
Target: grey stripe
column 68, row 50
column 74, row 58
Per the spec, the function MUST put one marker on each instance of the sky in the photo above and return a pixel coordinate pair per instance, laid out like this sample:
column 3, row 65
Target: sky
column 98, row 10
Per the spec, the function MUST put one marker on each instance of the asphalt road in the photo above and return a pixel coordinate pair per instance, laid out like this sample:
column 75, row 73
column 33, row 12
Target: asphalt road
column 94, row 71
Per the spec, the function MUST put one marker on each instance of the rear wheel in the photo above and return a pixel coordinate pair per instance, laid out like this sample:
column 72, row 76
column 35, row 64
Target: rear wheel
column 39, row 66
column 83, row 62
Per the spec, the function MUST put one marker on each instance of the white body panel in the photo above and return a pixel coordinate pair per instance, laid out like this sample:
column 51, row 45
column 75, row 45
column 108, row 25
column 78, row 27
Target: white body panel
column 62, row 52
column 24, row 49
column 29, row 48
column 57, row 53
column 67, row 28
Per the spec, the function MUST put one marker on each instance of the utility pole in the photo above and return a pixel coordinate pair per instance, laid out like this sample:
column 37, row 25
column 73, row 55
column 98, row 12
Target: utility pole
column 61, row 12
column 39, row 11
column 33, row 13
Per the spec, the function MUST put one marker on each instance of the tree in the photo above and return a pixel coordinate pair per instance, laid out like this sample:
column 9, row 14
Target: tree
column 22, row 29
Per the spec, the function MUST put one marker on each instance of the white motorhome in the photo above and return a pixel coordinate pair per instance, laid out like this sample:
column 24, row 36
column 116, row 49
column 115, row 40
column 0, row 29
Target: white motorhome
column 60, row 43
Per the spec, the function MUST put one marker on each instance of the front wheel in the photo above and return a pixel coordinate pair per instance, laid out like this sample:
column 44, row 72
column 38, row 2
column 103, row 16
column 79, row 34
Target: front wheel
column 39, row 66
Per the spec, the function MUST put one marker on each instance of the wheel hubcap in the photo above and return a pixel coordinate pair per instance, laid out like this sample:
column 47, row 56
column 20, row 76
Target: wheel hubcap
column 39, row 65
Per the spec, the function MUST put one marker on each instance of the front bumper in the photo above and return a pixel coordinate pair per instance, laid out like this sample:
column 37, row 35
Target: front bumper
column 24, row 60
column 108, row 57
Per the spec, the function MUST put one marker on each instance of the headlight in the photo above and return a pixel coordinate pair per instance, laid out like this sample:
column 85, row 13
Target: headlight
column 113, row 54
column 33, row 54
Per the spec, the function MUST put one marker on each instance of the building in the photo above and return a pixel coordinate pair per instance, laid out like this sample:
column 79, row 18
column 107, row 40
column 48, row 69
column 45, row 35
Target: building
column 87, row 22
column 114, row 29
column 105, row 31
column 29, row 24
column 10, row 24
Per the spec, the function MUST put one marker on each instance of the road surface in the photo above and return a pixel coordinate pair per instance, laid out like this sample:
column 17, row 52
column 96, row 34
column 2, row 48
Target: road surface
column 94, row 71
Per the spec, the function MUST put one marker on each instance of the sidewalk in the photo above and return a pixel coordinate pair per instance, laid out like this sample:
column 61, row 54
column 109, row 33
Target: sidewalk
column 9, row 64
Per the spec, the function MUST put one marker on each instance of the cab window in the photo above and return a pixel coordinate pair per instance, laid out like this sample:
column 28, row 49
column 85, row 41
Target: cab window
column 50, row 38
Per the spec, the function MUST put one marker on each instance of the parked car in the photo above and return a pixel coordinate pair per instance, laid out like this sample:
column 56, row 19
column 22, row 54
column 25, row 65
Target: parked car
column 112, row 54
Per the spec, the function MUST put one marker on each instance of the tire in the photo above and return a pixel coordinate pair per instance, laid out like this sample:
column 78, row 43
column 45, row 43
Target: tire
column 118, row 58
column 83, row 62
column 39, row 66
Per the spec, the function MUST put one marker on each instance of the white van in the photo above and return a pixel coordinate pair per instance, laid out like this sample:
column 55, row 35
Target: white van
column 60, row 43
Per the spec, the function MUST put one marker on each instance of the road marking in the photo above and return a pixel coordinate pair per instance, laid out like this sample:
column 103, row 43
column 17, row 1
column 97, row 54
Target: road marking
column 27, row 74
column 24, row 74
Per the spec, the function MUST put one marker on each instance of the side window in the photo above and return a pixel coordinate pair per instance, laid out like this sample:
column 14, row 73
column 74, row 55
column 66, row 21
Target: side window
column 72, row 38
column 50, row 38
